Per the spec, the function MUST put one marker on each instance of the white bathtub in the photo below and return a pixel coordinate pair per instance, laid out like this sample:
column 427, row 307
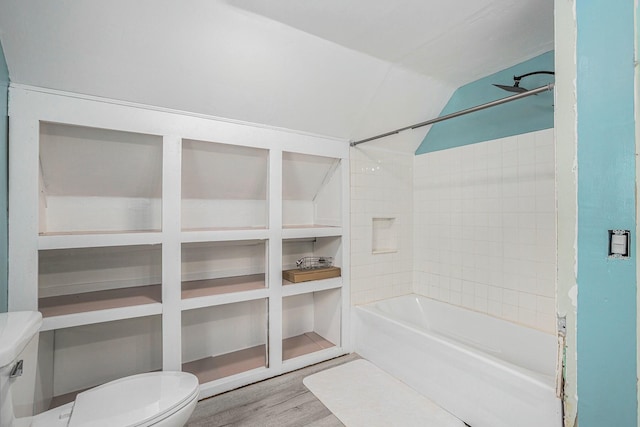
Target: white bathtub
column 486, row 371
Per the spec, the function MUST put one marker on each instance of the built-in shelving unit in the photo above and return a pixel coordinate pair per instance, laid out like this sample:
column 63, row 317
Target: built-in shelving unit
column 136, row 228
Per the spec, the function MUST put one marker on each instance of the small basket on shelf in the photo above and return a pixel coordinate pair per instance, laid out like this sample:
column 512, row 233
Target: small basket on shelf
column 313, row 262
column 312, row 268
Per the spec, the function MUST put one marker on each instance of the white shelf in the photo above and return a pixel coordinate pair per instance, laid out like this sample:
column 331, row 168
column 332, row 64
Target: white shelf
column 222, row 286
column 289, row 289
column 210, row 369
column 99, row 316
column 305, row 231
column 224, row 235
column 303, row 344
column 214, row 300
column 99, row 239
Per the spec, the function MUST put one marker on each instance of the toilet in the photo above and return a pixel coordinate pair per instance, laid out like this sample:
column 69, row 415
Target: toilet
column 158, row 399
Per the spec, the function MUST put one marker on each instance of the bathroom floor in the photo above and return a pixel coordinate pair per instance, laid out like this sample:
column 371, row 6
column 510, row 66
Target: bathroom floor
column 281, row 401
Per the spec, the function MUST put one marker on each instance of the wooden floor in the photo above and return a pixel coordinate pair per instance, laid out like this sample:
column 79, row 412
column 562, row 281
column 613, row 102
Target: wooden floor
column 277, row 402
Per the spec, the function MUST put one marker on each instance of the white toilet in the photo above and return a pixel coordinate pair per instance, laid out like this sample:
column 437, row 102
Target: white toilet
column 159, row 399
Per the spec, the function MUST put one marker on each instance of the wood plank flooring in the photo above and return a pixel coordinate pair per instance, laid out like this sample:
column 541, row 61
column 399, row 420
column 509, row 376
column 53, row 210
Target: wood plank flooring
column 277, row 402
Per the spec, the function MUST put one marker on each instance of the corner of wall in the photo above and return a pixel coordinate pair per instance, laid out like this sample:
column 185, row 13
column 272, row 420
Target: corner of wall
column 4, row 139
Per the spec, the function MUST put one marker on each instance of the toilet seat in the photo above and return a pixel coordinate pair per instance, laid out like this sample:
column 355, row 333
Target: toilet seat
column 135, row 401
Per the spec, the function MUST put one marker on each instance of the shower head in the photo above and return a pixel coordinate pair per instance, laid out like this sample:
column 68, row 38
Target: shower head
column 515, row 88
column 516, row 82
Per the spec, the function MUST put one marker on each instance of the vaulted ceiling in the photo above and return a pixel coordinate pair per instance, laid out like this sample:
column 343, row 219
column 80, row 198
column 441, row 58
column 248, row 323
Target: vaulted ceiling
column 333, row 67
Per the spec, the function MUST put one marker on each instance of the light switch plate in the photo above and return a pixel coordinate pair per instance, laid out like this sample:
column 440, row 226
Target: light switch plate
column 619, row 243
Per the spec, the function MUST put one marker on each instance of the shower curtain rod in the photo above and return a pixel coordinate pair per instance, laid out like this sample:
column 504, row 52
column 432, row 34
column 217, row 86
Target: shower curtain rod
column 535, row 91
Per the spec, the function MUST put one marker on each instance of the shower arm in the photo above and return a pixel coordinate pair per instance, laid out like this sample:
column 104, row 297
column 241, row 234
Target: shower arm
column 500, row 101
column 516, row 79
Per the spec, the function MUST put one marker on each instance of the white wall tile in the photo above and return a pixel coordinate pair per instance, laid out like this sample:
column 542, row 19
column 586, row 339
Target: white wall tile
column 484, row 227
column 475, row 226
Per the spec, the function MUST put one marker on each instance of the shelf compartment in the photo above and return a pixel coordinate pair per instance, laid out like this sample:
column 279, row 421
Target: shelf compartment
column 225, row 340
column 217, row 268
column 304, row 344
column 74, row 359
column 311, row 191
column 223, row 186
column 294, row 249
column 118, row 279
column 96, row 180
column 310, row 323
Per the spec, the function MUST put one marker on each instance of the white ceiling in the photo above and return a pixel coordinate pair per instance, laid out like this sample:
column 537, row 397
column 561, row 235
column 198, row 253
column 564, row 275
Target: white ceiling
column 339, row 68
column 455, row 41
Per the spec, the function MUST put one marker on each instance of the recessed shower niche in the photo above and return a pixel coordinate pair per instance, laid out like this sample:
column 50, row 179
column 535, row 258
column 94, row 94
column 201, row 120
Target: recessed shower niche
column 223, row 186
column 97, row 180
column 384, row 235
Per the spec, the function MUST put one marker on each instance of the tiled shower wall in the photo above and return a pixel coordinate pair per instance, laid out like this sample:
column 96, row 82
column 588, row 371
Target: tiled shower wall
column 381, row 187
column 484, row 227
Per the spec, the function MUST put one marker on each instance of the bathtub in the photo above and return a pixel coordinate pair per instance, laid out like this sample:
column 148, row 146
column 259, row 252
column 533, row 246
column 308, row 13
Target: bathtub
column 485, row 371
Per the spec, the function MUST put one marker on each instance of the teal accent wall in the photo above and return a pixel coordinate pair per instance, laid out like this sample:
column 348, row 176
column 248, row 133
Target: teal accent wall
column 606, row 323
column 522, row 116
column 4, row 139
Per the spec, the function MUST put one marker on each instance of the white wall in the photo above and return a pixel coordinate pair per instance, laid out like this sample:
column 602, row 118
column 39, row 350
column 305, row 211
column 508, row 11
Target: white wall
column 381, row 187
column 484, row 228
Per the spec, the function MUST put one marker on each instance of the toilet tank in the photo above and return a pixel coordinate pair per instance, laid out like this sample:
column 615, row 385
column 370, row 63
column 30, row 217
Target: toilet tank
column 18, row 342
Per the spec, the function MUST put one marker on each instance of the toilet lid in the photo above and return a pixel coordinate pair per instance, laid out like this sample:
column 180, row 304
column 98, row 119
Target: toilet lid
column 134, row 400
